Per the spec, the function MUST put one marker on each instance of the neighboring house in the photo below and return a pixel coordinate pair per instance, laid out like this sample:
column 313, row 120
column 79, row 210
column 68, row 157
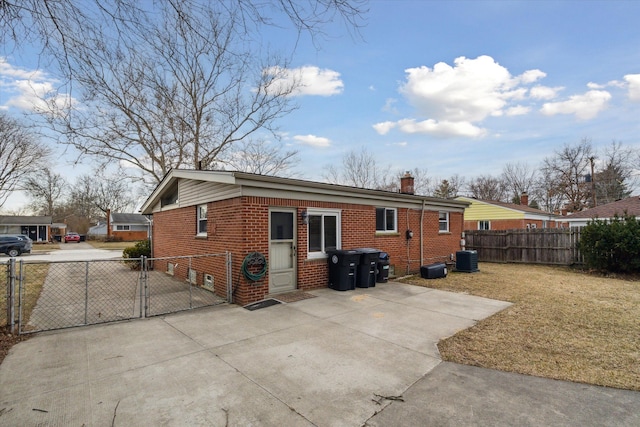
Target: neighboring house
column 38, row 228
column 98, row 230
column 128, row 227
column 628, row 206
column 492, row 215
column 293, row 223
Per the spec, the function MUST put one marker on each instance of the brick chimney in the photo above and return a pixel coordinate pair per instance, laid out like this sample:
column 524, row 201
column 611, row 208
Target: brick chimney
column 524, row 199
column 406, row 183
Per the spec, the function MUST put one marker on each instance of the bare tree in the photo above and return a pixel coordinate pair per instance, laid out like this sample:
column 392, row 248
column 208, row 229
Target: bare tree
column 20, row 155
column 487, row 187
column 173, row 85
column 261, row 157
column 448, row 188
column 614, row 178
column 46, row 23
column 518, row 178
column 566, row 172
column 45, row 189
column 92, row 195
column 359, row 169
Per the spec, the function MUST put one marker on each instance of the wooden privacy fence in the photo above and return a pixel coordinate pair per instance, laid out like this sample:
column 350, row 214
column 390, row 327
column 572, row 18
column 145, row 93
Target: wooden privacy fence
column 535, row 246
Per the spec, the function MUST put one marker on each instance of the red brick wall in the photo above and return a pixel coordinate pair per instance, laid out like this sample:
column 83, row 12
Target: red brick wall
column 129, row 236
column 241, row 226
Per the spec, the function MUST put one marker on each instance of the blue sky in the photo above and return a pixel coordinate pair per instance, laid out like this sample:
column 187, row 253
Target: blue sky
column 456, row 87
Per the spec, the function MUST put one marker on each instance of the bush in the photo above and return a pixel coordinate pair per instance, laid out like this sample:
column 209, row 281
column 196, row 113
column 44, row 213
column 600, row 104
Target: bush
column 140, row 249
column 612, row 245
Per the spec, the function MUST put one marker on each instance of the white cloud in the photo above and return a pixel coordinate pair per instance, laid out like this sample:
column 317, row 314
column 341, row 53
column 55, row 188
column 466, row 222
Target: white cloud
column 308, row 80
column 518, row 110
column 441, row 128
column 29, row 89
column 531, row 76
column 383, row 128
column 633, row 85
column 313, row 141
column 389, row 106
column 544, row 92
column 453, row 100
column 585, row 107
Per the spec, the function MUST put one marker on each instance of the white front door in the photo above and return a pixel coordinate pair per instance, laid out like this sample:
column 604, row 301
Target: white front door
column 282, row 250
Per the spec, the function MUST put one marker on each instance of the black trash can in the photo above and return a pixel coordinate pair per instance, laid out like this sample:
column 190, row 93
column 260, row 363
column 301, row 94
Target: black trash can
column 366, row 277
column 342, row 269
column 382, row 267
column 433, row 271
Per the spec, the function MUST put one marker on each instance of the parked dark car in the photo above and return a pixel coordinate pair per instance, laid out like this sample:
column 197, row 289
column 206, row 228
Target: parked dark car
column 72, row 237
column 14, row 246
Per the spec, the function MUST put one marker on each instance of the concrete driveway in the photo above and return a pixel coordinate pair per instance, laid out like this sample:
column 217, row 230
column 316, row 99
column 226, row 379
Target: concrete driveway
column 72, row 252
column 336, row 359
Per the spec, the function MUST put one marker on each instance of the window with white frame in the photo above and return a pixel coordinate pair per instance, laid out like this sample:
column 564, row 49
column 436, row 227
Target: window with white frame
column 323, row 231
column 123, row 227
column 484, row 225
column 443, row 219
column 386, row 220
column 202, row 220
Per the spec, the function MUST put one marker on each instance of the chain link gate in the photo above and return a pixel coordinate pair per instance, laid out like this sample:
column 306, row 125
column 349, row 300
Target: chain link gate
column 44, row 296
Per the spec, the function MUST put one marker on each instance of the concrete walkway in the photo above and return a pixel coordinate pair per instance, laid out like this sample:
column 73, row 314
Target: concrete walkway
column 338, row 359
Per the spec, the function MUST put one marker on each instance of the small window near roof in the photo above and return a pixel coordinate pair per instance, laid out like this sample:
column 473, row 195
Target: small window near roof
column 122, row 228
column 386, row 220
column 484, row 225
column 443, row 219
column 202, row 220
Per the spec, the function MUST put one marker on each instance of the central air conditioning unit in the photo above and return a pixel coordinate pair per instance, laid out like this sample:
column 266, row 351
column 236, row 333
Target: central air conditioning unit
column 467, row 261
column 208, row 281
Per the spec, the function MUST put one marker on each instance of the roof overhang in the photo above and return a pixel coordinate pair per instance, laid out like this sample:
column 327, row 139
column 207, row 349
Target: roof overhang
column 252, row 184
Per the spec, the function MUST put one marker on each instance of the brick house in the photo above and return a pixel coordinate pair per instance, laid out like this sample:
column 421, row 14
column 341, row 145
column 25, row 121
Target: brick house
column 38, row 228
column 294, row 222
column 493, row 215
column 128, row 227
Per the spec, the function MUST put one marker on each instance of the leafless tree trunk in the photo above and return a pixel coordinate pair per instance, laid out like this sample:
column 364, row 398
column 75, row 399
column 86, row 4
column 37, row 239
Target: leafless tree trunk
column 448, row 188
column 487, row 187
column 261, row 157
column 519, row 178
column 566, row 172
column 92, row 195
column 359, row 169
column 46, row 189
column 20, row 156
column 614, row 179
column 168, row 86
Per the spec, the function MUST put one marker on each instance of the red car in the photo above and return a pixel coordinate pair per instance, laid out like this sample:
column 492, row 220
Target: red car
column 71, row 237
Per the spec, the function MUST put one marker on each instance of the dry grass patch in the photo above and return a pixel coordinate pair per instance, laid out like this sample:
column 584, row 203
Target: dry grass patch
column 34, row 276
column 564, row 324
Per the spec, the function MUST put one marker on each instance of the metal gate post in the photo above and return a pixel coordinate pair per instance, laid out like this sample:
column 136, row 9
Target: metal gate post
column 11, row 294
column 143, row 286
column 21, row 291
column 86, row 291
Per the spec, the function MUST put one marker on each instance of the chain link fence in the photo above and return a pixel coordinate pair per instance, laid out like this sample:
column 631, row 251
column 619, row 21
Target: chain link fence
column 43, row 296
